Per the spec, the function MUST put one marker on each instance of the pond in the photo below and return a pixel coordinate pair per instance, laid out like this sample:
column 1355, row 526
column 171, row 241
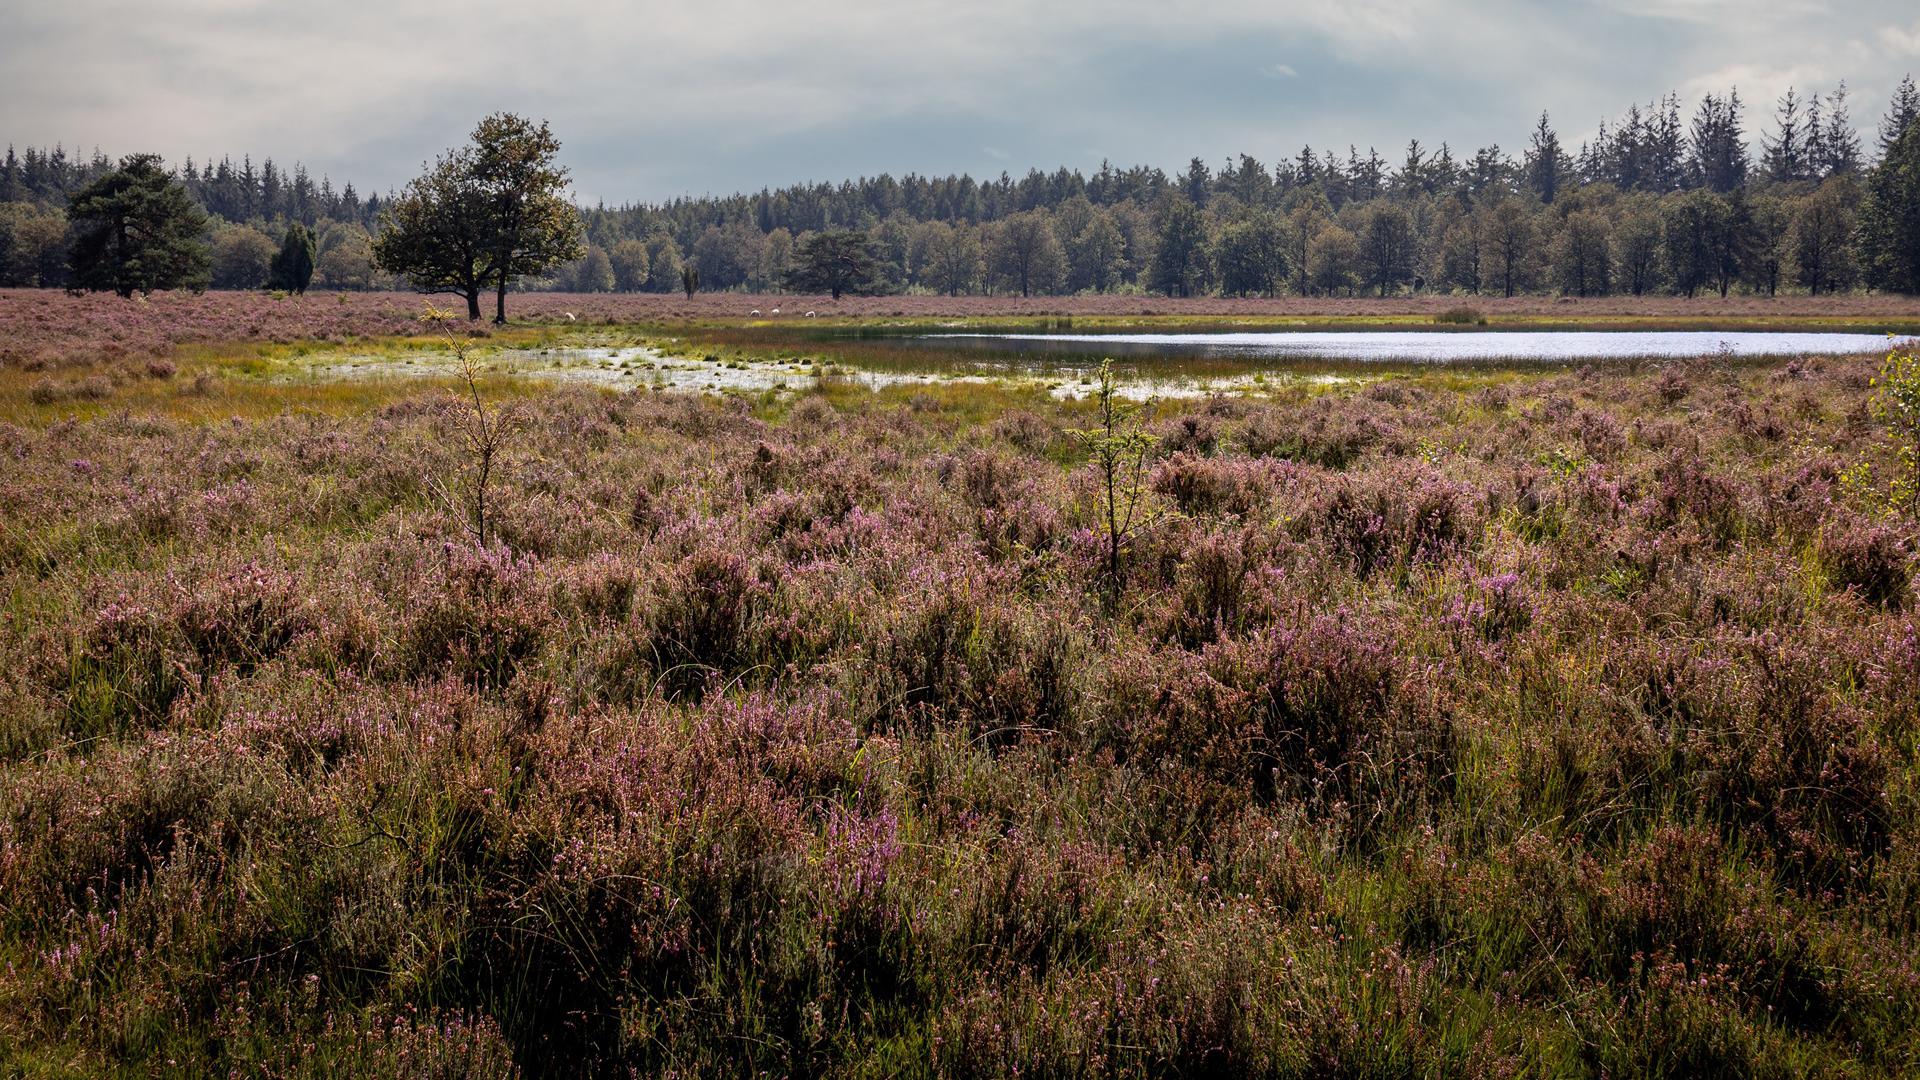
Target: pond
column 1149, row 365
column 1416, row 346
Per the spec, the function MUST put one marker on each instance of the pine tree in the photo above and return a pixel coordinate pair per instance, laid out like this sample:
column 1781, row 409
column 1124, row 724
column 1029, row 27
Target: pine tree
column 1197, row 184
column 1840, row 146
column 1889, row 229
column 1666, row 148
column 1719, row 145
column 293, row 266
column 137, row 231
column 1547, row 165
column 1901, row 115
column 1785, row 157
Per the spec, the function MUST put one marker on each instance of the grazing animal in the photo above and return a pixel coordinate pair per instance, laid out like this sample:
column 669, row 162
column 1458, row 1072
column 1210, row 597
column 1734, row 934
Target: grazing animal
column 569, row 315
column 809, row 314
column 776, row 311
column 755, row 313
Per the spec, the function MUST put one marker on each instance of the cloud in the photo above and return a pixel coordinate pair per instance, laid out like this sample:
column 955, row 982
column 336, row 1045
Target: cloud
column 1903, row 40
column 657, row 98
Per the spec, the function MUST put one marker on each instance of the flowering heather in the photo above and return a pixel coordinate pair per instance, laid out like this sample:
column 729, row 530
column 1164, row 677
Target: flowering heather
column 1488, row 724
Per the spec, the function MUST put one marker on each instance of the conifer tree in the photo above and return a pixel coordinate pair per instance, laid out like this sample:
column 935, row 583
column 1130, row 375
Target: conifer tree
column 137, row 231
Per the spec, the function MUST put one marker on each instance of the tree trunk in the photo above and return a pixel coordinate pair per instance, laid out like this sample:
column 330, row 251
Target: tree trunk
column 473, row 304
column 500, row 302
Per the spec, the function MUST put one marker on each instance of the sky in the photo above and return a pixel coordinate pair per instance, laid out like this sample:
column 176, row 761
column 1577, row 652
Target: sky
column 653, row 100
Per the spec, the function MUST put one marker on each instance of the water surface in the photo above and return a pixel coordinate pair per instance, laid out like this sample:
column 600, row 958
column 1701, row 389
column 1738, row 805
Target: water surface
column 1425, row 346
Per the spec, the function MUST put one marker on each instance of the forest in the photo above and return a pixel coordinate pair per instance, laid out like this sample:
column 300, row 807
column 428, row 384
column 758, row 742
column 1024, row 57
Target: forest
column 1657, row 202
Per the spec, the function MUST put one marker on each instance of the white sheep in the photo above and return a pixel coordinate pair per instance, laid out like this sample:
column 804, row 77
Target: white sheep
column 754, row 313
column 809, row 314
column 569, row 315
column 776, row 311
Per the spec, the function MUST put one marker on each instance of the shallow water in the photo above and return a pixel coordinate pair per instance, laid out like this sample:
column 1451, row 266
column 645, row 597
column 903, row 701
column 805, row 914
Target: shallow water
column 637, row 367
column 1065, row 365
column 1423, row 346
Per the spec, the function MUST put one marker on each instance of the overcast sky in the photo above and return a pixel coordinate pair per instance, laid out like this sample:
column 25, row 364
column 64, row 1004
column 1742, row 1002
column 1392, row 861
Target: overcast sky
column 657, row 99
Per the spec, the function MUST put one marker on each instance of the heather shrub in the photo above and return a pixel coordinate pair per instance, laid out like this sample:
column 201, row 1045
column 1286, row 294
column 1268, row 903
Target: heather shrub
column 701, row 618
column 475, row 613
column 1869, row 559
column 1392, row 521
column 1026, row 431
column 949, row 659
column 1213, row 585
column 1684, row 486
column 1193, row 433
column 1199, row 485
column 1492, row 722
column 1325, row 433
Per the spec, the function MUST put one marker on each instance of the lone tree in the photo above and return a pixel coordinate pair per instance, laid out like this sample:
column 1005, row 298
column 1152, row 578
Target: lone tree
column 293, row 266
column 434, row 233
column 483, row 215
column 138, row 231
column 532, row 225
column 835, row 261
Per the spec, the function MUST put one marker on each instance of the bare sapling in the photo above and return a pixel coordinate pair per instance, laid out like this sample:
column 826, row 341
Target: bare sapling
column 484, row 432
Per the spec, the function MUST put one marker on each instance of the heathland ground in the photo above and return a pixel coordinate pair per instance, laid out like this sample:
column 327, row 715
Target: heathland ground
column 1493, row 721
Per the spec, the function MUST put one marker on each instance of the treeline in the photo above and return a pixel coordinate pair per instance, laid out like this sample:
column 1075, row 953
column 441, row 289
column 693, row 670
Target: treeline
column 1659, row 201
column 250, row 211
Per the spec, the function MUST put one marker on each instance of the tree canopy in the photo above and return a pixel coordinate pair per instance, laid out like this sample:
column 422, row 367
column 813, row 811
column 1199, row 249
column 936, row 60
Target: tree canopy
column 137, row 231
column 293, row 266
column 1890, row 217
column 483, row 215
column 834, row 262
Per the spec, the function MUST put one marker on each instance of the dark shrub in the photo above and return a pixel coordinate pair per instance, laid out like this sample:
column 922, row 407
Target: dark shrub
column 1869, row 559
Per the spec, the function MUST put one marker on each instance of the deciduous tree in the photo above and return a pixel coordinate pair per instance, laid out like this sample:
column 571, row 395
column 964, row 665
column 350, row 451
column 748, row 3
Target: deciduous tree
column 530, row 224
column 1180, row 257
column 1820, row 241
column 1025, row 255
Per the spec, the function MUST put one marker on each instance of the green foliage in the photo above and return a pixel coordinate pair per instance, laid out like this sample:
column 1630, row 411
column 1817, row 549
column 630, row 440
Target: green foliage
column 243, row 258
column 835, row 261
column 1024, row 255
column 1896, row 404
column 136, row 230
column 1252, row 255
column 1889, row 229
column 1119, row 448
column 629, row 263
column 293, row 267
column 1180, row 257
column 33, row 245
column 483, row 215
column 594, row 273
column 435, row 233
column 531, row 225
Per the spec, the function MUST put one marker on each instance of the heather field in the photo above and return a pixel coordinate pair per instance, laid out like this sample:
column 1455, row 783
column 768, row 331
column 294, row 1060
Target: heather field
column 1494, row 722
